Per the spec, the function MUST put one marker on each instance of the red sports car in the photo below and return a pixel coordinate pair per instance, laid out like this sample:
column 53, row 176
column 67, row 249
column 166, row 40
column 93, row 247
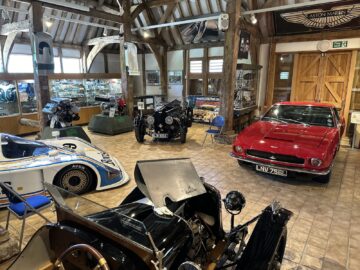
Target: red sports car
column 296, row 137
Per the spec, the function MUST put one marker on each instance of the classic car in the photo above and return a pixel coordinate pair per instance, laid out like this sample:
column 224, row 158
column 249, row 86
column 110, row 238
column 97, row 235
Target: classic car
column 157, row 227
column 70, row 163
column 298, row 137
column 169, row 121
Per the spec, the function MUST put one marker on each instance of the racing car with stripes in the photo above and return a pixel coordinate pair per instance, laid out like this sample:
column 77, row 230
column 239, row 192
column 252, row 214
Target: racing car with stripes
column 70, row 163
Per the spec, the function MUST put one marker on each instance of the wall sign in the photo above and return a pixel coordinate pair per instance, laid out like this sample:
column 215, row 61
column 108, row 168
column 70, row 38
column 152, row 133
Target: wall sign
column 355, row 118
column 340, row 15
column 340, row 44
column 175, row 77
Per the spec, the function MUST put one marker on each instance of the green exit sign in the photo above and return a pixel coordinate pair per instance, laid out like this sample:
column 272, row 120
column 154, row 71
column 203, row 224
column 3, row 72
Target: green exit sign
column 340, row 44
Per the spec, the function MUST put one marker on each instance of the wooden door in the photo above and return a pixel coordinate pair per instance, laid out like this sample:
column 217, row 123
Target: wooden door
column 322, row 77
column 306, row 77
column 335, row 78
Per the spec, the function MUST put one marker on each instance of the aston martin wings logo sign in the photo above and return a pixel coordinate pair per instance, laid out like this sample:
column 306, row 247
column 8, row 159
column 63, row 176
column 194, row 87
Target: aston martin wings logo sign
column 318, row 18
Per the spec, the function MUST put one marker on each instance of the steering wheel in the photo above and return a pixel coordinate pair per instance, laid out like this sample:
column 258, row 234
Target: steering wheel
column 94, row 252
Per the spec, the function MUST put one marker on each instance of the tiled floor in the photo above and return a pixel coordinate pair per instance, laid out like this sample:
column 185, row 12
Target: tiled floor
column 324, row 232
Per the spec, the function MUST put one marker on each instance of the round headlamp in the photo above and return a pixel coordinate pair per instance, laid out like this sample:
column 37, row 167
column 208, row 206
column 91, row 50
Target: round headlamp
column 169, row 120
column 150, row 120
column 316, row 162
column 238, row 149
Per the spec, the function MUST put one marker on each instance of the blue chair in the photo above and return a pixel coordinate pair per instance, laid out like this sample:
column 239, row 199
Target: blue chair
column 218, row 123
column 22, row 208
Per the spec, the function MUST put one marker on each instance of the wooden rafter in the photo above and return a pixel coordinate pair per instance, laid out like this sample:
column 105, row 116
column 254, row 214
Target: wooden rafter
column 169, row 10
column 149, row 4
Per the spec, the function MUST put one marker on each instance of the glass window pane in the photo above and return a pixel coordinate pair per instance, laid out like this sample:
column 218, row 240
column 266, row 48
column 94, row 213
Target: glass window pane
column 71, row 65
column 20, row 63
column 216, row 65
column 27, row 96
column 57, row 65
column 8, row 98
column 196, row 66
column 283, row 77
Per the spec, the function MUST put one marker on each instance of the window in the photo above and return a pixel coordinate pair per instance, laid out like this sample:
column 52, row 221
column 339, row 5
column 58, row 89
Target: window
column 57, row 65
column 8, row 98
column 71, row 65
column 14, row 147
column 20, row 63
column 284, row 75
column 216, row 65
column 196, row 66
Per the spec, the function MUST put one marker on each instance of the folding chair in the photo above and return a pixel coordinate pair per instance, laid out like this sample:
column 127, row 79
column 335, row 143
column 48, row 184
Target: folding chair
column 22, row 208
column 218, row 122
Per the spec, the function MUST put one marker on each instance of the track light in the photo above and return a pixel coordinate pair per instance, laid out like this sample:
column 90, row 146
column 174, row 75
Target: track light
column 146, row 34
column 48, row 23
column 105, row 33
column 253, row 19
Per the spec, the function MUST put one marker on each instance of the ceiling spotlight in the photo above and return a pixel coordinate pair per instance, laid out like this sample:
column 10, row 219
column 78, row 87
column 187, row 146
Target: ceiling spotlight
column 48, row 23
column 105, row 33
column 146, row 34
column 253, row 19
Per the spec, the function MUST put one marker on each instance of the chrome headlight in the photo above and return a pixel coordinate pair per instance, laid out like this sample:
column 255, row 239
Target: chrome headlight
column 316, row 162
column 150, row 120
column 169, row 120
column 238, row 149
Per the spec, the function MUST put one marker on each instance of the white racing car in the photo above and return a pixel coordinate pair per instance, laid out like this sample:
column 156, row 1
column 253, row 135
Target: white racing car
column 70, row 163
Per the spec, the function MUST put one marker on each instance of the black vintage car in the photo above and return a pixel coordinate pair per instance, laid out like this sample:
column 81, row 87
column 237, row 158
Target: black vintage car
column 171, row 220
column 168, row 121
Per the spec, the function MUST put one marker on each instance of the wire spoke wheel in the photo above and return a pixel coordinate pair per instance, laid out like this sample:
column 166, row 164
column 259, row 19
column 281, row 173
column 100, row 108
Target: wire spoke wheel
column 76, row 179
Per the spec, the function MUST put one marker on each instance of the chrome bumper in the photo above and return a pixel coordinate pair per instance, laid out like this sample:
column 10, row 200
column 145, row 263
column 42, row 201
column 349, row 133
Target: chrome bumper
column 292, row 169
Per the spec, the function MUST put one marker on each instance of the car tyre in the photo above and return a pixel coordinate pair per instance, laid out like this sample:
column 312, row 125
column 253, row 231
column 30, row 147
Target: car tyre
column 183, row 134
column 140, row 133
column 76, row 178
column 324, row 179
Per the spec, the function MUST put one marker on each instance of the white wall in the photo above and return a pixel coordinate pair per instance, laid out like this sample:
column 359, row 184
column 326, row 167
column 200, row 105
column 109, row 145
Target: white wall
column 175, row 62
column 98, row 66
column 138, row 80
column 113, row 63
column 353, row 43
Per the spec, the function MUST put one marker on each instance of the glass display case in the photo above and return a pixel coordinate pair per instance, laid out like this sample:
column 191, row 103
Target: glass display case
column 246, row 86
column 84, row 91
column 27, row 96
column 8, row 98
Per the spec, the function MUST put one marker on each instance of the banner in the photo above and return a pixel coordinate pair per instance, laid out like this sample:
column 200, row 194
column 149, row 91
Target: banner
column 131, row 59
column 43, row 53
column 201, row 32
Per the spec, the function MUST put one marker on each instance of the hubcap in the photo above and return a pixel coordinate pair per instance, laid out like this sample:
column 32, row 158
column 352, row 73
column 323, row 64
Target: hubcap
column 75, row 181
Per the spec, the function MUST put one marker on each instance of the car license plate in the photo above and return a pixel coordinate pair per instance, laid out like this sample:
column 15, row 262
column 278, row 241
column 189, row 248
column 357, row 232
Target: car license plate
column 161, row 135
column 271, row 170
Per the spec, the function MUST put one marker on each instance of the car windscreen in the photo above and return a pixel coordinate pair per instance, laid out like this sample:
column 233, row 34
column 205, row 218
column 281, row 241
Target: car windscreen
column 15, row 147
column 308, row 115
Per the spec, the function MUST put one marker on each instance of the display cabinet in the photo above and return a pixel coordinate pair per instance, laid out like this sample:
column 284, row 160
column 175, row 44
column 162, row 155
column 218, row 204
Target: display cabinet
column 246, row 86
column 8, row 98
column 83, row 92
column 27, row 96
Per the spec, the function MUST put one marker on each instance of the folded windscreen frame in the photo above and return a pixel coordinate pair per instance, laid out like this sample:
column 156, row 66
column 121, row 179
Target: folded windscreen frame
column 174, row 179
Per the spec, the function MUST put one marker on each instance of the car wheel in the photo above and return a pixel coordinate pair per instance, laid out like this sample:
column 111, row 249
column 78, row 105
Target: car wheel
column 75, row 178
column 241, row 163
column 140, row 133
column 324, row 179
column 183, row 134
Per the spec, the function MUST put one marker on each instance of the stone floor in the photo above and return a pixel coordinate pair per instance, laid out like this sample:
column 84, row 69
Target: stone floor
column 324, row 232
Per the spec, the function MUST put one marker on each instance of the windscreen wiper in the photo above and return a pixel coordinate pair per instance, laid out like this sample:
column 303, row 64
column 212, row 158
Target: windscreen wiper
column 275, row 119
column 294, row 121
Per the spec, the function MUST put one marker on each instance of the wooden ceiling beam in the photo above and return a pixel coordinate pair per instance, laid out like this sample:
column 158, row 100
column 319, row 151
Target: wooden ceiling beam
column 150, row 4
column 92, row 13
column 169, row 10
